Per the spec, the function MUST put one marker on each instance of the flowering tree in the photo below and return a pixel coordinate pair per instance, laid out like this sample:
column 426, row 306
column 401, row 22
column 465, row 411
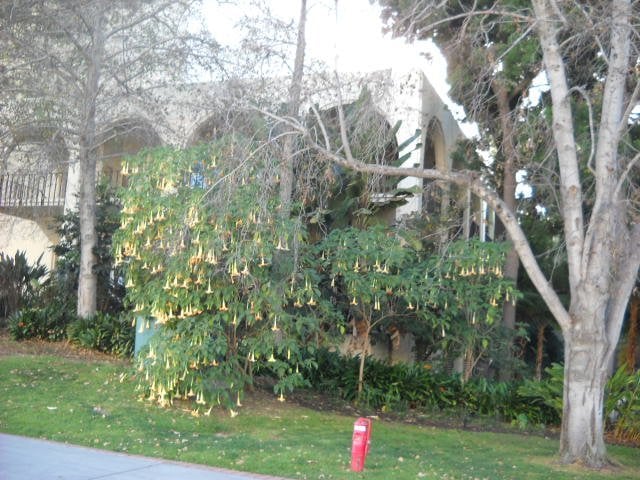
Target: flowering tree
column 199, row 235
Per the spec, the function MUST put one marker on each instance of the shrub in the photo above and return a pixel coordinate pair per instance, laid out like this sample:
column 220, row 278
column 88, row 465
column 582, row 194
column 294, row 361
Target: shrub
column 387, row 387
column 103, row 332
column 47, row 323
column 396, row 387
column 19, row 282
column 542, row 400
column 622, row 405
column 621, row 408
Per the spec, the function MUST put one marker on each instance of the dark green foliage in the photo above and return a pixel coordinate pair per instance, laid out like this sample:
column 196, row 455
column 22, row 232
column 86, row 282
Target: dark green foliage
column 622, row 405
column 48, row 323
column 103, row 332
column 111, row 291
column 417, row 386
column 386, row 386
column 546, row 393
column 19, row 282
column 622, row 399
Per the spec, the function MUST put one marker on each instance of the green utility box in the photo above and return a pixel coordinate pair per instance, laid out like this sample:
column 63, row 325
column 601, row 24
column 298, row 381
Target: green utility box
column 145, row 329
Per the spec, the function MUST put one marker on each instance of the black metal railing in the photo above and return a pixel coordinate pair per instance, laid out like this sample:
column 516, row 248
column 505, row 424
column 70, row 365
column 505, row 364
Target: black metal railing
column 32, row 189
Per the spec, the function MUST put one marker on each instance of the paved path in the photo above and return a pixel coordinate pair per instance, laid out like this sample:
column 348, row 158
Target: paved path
column 24, row 458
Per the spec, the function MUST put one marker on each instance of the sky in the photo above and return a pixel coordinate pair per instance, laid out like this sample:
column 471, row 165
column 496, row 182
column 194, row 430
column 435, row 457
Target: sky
column 347, row 35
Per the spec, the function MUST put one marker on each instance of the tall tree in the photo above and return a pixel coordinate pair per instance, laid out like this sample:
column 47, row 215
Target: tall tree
column 603, row 248
column 70, row 64
column 293, row 109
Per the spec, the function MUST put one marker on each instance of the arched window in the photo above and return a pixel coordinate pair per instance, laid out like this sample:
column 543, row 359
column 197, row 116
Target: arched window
column 228, row 122
column 433, row 157
column 126, row 136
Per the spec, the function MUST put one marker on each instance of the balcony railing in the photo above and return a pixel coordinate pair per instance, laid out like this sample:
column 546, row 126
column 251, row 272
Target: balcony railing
column 19, row 190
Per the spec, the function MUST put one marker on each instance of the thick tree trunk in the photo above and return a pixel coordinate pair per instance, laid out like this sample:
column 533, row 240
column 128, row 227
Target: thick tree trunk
column 585, row 377
column 588, row 350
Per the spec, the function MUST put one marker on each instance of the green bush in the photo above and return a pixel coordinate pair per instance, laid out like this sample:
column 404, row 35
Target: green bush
column 622, row 401
column 19, row 282
column 400, row 386
column 103, row 332
column 544, row 397
column 387, row 387
column 47, row 323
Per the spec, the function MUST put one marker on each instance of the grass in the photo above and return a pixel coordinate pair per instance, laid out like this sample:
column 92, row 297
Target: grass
column 95, row 404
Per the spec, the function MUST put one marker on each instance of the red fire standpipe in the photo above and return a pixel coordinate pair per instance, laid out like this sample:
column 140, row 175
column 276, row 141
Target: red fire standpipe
column 360, row 443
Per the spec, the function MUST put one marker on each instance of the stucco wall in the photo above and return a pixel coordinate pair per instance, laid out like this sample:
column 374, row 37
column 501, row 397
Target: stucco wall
column 19, row 234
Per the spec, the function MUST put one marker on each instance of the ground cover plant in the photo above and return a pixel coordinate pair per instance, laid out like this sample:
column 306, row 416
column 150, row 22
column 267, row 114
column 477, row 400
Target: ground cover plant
column 95, row 403
column 399, row 387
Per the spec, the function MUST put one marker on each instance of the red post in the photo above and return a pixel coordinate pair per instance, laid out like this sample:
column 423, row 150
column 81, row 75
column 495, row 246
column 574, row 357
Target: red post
column 360, row 443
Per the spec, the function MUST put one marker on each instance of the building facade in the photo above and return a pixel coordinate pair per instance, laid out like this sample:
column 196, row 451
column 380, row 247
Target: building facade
column 40, row 174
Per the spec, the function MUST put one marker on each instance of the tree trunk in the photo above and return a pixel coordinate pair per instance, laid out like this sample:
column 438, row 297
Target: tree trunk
column 585, row 377
column 540, row 351
column 632, row 336
column 510, row 154
column 87, row 279
column 363, row 358
column 587, row 353
column 295, row 89
column 469, row 364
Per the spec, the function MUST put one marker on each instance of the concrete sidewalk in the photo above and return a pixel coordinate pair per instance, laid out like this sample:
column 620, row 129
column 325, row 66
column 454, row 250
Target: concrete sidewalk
column 24, row 458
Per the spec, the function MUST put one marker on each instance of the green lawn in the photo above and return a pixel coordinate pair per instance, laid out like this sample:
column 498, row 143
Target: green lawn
column 96, row 404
